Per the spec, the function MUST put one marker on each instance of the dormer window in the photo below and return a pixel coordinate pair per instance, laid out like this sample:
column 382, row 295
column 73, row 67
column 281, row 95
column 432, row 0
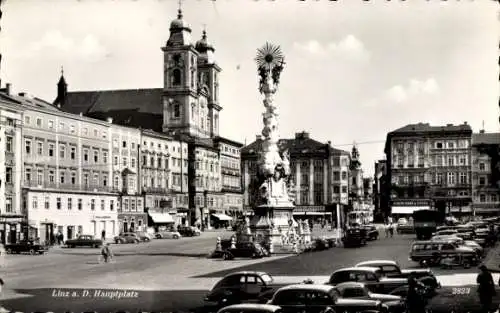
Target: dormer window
column 176, row 77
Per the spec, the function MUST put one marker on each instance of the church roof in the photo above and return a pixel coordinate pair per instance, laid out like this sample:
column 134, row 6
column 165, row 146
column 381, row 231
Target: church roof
column 130, row 107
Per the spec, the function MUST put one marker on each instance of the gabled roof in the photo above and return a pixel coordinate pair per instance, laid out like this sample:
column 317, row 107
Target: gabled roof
column 143, row 100
column 427, row 128
column 294, row 146
column 486, row 138
column 34, row 102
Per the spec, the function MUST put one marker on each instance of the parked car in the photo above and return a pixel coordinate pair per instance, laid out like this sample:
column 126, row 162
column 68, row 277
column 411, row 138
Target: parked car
column 188, row 231
column 26, row 246
column 354, row 237
column 127, row 238
column 321, row 298
column 84, row 241
column 432, row 251
column 445, row 232
column 242, row 287
column 143, row 236
column 168, row 235
column 404, row 227
column 251, row 308
column 474, row 245
column 370, row 276
column 392, row 269
column 355, row 290
column 242, row 250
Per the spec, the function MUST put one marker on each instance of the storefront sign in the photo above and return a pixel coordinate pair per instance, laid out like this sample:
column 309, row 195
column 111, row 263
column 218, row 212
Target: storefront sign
column 410, row 203
column 316, row 208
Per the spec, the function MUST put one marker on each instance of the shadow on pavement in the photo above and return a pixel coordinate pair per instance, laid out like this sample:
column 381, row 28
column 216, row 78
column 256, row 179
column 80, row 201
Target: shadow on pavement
column 125, row 254
column 106, row 300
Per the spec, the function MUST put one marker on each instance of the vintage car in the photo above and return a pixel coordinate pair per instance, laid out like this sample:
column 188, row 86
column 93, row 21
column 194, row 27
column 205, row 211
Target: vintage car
column 354, row 237
column 445, row 232
column 371, row 232
column 429, row 252
column 370, row 276
column 26, row 246
column 127, row 238
column 465, row 233
column 242, row 287
column 474, row 245
column 404, row 226
column 321, row 298
column 84, row 241
column 392, row 269
column 143, row 236
column 355, row 290
column 168, row 235
column 243, row 250
column 251, row 308
column 188, row 231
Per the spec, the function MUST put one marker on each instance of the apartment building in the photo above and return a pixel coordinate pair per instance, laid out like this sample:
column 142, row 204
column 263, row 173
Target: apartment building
column 486, row 173
column 230, row 164
column 380, row 195
column 429, row 166
column 12, row 213
column 66, row 173
column 319, row 175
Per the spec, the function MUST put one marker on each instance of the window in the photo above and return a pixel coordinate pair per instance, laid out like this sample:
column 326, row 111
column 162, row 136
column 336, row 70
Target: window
column 440, row 180
column 132, row 162
column 439, row 145
column 95, row 182
column 111, row 205
column 115, row 143
column 39, row 177
column 105, row 180
column 482, row 180
column 124, row 160
column 58, row 203
column 92, row 204
column 96, row 133
column 115, row 161
column 176, row 77
column 451, row 145
column 8, row 144
column 27, row 174
column 51, row 124
column 116, row 182
column 494, row 198
column 8, row 175
column 72, row 153
column 47, row 203
column 85, row 131
column 462, row 160
column 61, row 126
column 451, row 161
column 34, row 202
column 80, row 204
column 124, row 144
column 451, row 178
column 103, row 205
column 344, row 175
column 482, row 167
column 152, row 162
column 336, row 189
column 96, row 156
column 72, row 129
column 8, row 205
column 39, row 122
column 344, row 189
column 86, row 155
column 482, row 198
column 70, row 203
column 73, row 178
column 86, row 179
column 105, row 157
column 39, row 148
column 27, row 145
column 62, row 177
column 463, row 178
column 177, row 112
column 51, row 149
column 62, row 151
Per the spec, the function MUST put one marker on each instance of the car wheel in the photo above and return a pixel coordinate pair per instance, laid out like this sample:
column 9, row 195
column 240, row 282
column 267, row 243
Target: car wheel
column 32, row 251
column 136, row 241
column 8, row 251
column 176, row 237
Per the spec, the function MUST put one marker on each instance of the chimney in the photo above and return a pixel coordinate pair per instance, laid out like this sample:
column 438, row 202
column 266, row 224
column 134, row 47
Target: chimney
column 7, row 89
column 302, row 135
column 481, row 131
column 258, row 137
column 465, row 123
column 109, row 120
column 449, row 125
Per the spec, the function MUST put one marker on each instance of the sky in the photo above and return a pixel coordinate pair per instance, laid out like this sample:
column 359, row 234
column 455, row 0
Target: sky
column 354, row 71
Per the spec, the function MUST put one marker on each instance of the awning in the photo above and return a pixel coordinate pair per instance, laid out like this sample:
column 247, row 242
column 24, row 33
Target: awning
column 222, row 217
column 162, row 218
column 309, row 213
column 408, row 209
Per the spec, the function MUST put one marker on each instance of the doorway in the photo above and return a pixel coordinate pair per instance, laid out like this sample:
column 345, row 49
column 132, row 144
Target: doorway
column 70, row 232
column 125, row 227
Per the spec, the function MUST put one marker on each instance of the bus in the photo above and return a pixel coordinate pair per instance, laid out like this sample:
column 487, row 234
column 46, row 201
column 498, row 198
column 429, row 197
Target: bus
column 425, row 222
column 360, row 217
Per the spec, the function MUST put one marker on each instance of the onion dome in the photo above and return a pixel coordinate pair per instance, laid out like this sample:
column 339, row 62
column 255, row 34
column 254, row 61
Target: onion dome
column 203, row 45
column 179, row 23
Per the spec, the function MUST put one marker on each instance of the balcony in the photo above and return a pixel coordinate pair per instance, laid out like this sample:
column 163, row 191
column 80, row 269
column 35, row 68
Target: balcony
column 157, row 190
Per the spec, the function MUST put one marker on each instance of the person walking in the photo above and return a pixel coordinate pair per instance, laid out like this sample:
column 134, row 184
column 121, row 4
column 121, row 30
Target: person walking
column 486, row 288
column 415, row 301
column 386, row 227
column 103, row 235
column 106, row 253
column 391, row 229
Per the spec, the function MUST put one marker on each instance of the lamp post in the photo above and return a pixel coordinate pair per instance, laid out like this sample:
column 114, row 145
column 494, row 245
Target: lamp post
column 205, row 204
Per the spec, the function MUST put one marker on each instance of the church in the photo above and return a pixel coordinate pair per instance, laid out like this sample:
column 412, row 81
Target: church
column 187, row 109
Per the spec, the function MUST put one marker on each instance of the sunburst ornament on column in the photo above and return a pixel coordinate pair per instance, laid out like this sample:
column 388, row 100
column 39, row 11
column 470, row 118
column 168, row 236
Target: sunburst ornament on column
column 270, row 60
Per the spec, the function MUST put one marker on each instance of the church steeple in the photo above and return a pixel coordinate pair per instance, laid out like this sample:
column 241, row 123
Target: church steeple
column 62, row 90
column 180, row 31
column 205, row 49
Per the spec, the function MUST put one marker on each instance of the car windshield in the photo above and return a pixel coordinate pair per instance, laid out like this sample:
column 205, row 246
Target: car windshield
column 266, row 278
column 334, row 294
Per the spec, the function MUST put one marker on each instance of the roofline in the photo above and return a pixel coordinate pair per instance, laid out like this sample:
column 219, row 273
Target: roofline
column 152, row 133
column 229, row 141
column 112, row 90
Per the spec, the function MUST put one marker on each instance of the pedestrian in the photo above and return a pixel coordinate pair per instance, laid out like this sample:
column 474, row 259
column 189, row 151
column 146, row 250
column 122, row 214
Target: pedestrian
column 415, row 301
column 61, row 238
column 391, row 229
column 103, row 235
column 106, row 253
column 386, row 228
column 486, row 288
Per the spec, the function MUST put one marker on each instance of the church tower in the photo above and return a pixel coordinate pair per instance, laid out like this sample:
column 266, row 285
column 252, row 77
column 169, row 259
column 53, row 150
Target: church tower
column 208, row 87
column 180, row 80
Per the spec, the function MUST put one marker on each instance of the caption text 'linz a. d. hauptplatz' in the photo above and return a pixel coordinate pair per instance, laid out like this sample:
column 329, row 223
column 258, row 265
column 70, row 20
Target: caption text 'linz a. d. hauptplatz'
column 95, row 294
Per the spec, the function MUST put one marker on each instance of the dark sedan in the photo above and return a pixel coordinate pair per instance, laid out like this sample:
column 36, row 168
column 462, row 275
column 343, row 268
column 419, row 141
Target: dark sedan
column 26, row 246
column 84, row 241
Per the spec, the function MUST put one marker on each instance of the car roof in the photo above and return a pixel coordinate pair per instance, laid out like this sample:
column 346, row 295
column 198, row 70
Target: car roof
column 349, row 284
column 376, row 263
column 247, row 273
column 264, row 307
column 315, row 287
column 360, row 268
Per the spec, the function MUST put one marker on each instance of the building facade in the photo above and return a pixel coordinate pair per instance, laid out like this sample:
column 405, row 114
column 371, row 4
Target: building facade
column 319, row 175
column 380, row 193
column 429, row 166
column 230, row 164
column 186, row 109
column 12, row 214
column 486, row 173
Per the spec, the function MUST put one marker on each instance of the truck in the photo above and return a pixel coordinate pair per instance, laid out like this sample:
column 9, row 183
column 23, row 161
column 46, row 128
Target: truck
column 425, row 222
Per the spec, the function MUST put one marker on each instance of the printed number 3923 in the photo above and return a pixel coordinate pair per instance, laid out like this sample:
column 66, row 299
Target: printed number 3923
column 460, row 291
